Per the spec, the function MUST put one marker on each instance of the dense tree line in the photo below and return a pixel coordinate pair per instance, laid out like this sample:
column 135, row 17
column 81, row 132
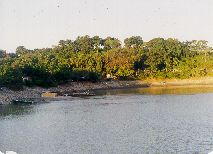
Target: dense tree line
column 92, row 58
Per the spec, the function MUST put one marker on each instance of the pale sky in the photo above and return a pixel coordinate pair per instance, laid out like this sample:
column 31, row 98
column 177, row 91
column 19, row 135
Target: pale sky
column 42, row 23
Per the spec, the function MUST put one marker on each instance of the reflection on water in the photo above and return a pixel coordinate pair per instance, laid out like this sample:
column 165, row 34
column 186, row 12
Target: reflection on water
column 15, row 110
column 158, row 90
column 116, row 124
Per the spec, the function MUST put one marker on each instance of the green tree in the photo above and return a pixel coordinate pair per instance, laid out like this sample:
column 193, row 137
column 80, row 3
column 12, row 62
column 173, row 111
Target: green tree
column 134, row 41
column 111, row 43
column 21, row 50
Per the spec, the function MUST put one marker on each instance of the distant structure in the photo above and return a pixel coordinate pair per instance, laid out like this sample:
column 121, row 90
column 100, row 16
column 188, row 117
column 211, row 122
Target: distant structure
column 109, row 77
column 26, row 78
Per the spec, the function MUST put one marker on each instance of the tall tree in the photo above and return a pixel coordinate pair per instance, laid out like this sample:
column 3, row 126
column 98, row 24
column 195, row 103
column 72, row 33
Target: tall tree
column 111, row 43
column 2, row 53
column 134, row 41
column 83, row 44
column 21, row 50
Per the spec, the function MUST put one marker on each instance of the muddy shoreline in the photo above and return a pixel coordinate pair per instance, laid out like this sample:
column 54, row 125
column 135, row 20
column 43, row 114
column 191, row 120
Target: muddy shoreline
column 7, row 96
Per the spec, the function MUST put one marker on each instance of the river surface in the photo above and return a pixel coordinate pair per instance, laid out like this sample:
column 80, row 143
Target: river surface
column 133, row 121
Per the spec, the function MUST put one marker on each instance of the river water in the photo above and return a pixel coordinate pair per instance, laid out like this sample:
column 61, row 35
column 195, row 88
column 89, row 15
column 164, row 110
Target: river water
column 130, row 121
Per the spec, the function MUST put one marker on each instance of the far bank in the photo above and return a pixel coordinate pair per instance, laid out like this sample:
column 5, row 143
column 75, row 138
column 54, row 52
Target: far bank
column 65, row 90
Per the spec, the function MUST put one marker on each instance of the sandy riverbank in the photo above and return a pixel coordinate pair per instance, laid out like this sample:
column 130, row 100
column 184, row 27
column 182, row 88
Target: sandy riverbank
column 207, row 81
column 6, row 95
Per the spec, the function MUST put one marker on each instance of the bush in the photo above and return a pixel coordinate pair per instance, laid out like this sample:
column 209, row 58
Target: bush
column 12, row 79
column 84, row 75
column 93, row 76
column 63, row 76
